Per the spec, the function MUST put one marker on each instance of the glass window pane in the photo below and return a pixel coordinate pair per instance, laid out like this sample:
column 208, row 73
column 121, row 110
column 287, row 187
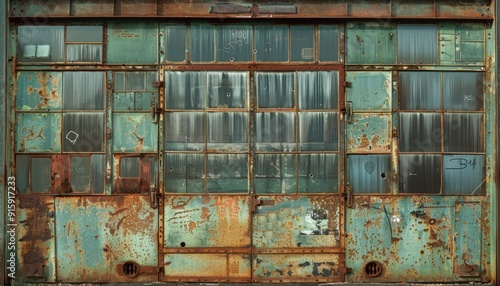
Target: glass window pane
column 80, row 172
column 463, row 90
column 234, row 43
column 419, row 173
column 228, row 131
column 22, row 173
column 119, row 81
column 184, row 131
column 417, row 44
column 40, row 175
column 84, row 34
column 175, row 36
column 420, row 91
column 318, row 131
column 83, row 132
column 227, row 173
column 275, row 131
column 87, row 53
column 328, row 43
column 40, row 43
column 97, row 174
column 185, row 173
column 275, row 90
column 129, row 167
column 318, row 173
column 227, row 89
column 202, row 43
column 369, row 173
column 134, row 81
column 275, row 174
column 83, row 91
column 186, row 90
column 302, row 43
column 420, row 132
column 463, row 132
column 463, row 174
column 318, row 90
column 271, row 43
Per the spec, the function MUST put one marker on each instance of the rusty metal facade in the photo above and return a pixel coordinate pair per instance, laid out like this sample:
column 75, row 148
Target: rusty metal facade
column 252, row 142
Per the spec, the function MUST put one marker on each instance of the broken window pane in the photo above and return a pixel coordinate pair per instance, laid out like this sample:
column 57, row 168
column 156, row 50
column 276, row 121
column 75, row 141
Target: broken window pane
column 318, row 131
column 228, row 131
column 186, row 90
column 175, row 46
column 302, row 43
column 40, row 43
column 420, row 90
column 234, row 43
column 129, row 167
column 275, row 173
column 40, row 174
column 420, row 173
column 463, row 90
column 227, row 89
column 275, row 131
column 420, row 132
column 318, row 90
column 463, row 174
column 417, row 44
column 184, row 131
column 369, row 173
column 84, row 34
column 83, row 132
column 97, row 174
column 271, row 43
column 83, row 91
column 87, row 53
column 80, row 171
column 202, row 43
column 22, row 173
column 185, row 173
column 318, row 173
column 328, row 43
column 463, row 132
column 227, row 173
column 275, row 90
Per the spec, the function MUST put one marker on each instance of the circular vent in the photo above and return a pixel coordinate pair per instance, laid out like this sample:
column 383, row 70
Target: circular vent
column 373, row 269
column 130, row 269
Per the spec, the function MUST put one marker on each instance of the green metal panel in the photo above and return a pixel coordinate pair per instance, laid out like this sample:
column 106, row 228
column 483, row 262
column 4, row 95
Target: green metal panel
column 371, row 43
column 38, row 132
column 134, row 132
column 468, row 239
column 132, row 43
column 369, row 91
column 39, row 91
column 369, row 133
column 133, row 101
column 462, row 43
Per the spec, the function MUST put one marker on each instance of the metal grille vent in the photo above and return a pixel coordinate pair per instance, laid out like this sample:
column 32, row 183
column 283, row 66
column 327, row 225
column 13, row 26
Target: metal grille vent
column 373, row 269
column 130, row 269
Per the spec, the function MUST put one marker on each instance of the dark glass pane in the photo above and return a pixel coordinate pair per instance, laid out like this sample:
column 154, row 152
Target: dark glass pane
column 228, row 131
column 84, row 34
column 185, row 173
column 202, row 43
column 83, row 132
column 275, row 174
column 234, row 43
column 97, row 174
column 135, row 81
column 184, row 131
column 318, row 131
column 227, row 89
column 318, row 90
column 175, row 36
column 227, row 173
column 83, row 91
column 22, row 173
column 318, row 173
column 80, row 170
column 119, row 81
column 369, row 173
column 419, row 173
column 129, row 167
column 328, row 43
column 463, row 132
column 271, row 43
column 417, row 44
column 275, row 131
column 463, row 174
column 420, row 91
column 87, row 53
column 41, row 175
column 40, row 43
column 275, row 90
column 302, row 43
column 186, row 90
column 463, row 90
column 420, row 132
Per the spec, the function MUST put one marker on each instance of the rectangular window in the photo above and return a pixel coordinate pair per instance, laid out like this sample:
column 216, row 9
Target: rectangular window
column 234, row 43
column 202, row 39
column 271, row 43
column 328, row 43
column 417, row 44
column 372, row 173
column 302, row 43
column 275, row 173
column 175, row 50
column 275, row 90
column 84, row 44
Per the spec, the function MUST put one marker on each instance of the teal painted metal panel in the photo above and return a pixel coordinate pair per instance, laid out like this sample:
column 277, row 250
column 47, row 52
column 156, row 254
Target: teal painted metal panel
column 462, row 43
column 468, row 239
column 133, row 101
column 39, row 91
column 369, row 91
column 369, row 133
column 371, row 43
column 38, row 132
column 134, row 132
column 132, row 43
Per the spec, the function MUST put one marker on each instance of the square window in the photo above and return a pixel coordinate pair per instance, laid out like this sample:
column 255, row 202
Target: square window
column 420, row 173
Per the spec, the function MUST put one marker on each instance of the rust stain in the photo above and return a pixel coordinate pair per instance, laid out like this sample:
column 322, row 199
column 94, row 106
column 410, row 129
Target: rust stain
column 30, row 136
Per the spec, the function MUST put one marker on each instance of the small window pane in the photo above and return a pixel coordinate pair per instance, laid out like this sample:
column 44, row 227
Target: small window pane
column 97, row 174
column 463, row 132
column 175, row 36
column 227, row 173
column 227, row 90
column 83, row 91
column 271, row 43
column 275, row 90
column 41, row 43
column 87, row 53
column 420, row 132
column 420, row 91
column 417, row 44
column 463, row 90
column 369, row 173
column 228, row 131
column 318, row 173
column 83, row 132
column 318, row 131
column 40, row 175
column 119, row 81
column 234, row 43
column 80, row 174
column 302, row 43
column 202, row 43
column 419, row 173
column 185, row 173
column 84, row 34
column 318, row 90
column 275, row 131
column 463, row 174
column 184, row 131
column 129, row 167
column 134, row 81
column 22, row 173
column 275, row 174
column 186, row 90
column 328, row 43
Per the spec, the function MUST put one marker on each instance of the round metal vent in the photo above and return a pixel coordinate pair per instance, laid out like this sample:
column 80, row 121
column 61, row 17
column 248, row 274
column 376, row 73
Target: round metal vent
column 130, row 269
column 373, row 269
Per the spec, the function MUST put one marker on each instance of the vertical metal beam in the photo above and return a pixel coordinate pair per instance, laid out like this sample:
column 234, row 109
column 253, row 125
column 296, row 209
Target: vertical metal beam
column 495, row 202
column 3, row 92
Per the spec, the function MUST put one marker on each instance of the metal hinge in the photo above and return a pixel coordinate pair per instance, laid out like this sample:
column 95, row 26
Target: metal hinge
column 158, row 83
column 346, row 84
column 260, row 202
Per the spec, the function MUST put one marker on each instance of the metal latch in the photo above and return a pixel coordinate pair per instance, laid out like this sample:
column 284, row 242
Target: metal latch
column 154, row 197
column 261, row 202
column 348, row 197
column 155, row 110
column 348, row 112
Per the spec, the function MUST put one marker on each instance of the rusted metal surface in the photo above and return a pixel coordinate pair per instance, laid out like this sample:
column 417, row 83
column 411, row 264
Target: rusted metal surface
column 134, row 132
column 39, row 91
